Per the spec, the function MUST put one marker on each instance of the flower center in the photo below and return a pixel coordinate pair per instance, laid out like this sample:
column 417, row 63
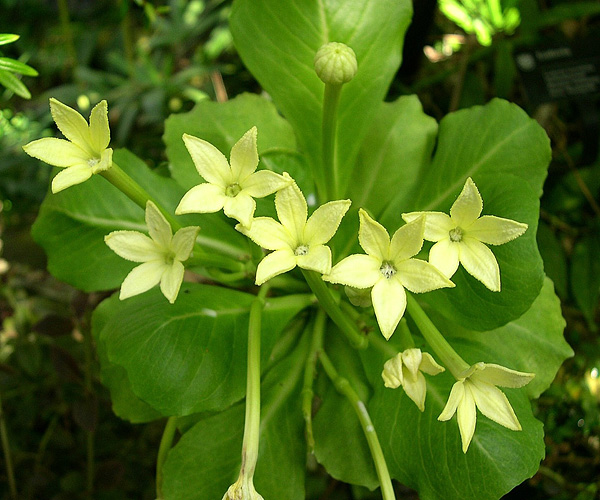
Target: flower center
column 387, row 269
column 170, row 258
column 456, row 234
column 233, row 190
column 92, row 162
column 301, row 250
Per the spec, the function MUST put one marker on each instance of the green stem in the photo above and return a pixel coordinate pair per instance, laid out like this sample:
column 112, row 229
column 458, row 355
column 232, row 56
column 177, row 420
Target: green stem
column 309, row 376
column 165, row 445
column 327, row 301
column 406, row 340
column 343, row 387
column 331, row 101
column 10, row 473
column 435, row 339
column 90, row 437
column 252, row 419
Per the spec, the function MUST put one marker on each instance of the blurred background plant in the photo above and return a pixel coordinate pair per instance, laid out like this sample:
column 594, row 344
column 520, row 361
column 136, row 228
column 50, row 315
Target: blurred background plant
column 153, row 58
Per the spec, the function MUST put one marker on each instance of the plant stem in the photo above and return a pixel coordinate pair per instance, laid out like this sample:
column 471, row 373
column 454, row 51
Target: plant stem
column 327, row 301
column 252, row 418
column 90, row 434
column 164, row 447
column 435, row 339
column 331, row 99
column 406, row 340
column 343, row 387
column 10, row 473
column 309, row 376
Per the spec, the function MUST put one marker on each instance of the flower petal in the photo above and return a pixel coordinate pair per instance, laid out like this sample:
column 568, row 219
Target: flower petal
column 494, row 404
column 71, row 176
column 268, row 233
column 210, row 163
column 480, row 262
column 278, row 262
column 392, row 372
column 263, row 183
column 133, row 246
column 420, row 276
column 324, row 222
column 244, row 156
column 183, row 242
column 142, row 278
column 158, row 227
column 407, row 241
column 72, row 125
column 430, row 366
column 437, row 224
column 240, row 208
column 171, row 280
column 99, row 128
column 57, row 152
column 412, row 360
column 496, row 230
column 105, row 161
column 204, row 199
column 317, row 259
column 468, row 205
column 389, row 302
column 358, row 271
column 466, row 414
column 456, row 395
column 444, row 255
column 373, row 237
column 292, row 210
column 504, row 377
column 416, row 390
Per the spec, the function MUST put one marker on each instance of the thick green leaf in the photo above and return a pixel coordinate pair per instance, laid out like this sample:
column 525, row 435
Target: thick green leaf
column 72, row 224
column 8, row 64
column 585, row 277
column 125, row 403
column 278, row 45
column 206, row 460
column 190, row 357
column 223, row 124
column 11, row 82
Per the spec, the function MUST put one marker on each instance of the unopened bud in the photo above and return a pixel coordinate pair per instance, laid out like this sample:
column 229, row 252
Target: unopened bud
column 242, row 489
column 335, row 63
column 359, row 297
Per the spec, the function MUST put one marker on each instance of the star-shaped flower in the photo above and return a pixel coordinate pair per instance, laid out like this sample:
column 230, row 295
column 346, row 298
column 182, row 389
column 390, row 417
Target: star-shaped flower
column 87, row 152
column 228, row 187
column 295, row 240
column 389, row 269
column 477, row 388
column 460, row 237
column 162, row 255
column 406, row 369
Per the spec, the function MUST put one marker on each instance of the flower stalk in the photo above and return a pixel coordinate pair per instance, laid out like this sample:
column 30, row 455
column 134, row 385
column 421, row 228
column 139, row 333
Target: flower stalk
column 165, row 445
column 10, row 473
column 331, row 101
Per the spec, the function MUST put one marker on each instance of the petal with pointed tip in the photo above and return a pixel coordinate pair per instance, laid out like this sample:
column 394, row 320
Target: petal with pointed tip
column 324, row 222
column 430, row 366
column 71, row 124
column 57, row 152
column 210, row 163
column 359, row 271
column 268, row 233
column 71, row 176
column 392, row 372
column 278, row 262
column 437, row 224
column 416, row 390
column 171, row 279
column 456, row 395
column 407, row 240
column 494, row 404
column 105, row 161
column 317, row 259
column 133, row 246
column 373, row 237
column 444, row 255
column 244, row 156
column 412, row 360
column 466, row 414
column 240, row 208
column 142, row 278
column 389, row 302
column 468, row 205
column 480, row 262
column 183, row 242
column 99, row 128
column 502, row 376
column 204, row 199
column 263, row 183
column 420, row 276
column 496, row 230
column 292, row 210
column 158, row 227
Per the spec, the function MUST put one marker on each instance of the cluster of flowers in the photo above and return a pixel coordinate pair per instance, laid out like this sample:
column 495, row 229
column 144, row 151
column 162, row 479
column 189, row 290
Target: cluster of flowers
column 387, row 268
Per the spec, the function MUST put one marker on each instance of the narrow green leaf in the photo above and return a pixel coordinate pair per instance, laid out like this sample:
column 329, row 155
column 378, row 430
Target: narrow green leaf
column 6, row 38
column 11, row 82
column 8, row 64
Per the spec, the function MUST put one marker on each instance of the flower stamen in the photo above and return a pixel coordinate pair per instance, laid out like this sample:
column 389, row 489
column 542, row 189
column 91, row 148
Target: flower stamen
column 456, row 234
column 233, row 190
column 301, row 250
column 387, row 269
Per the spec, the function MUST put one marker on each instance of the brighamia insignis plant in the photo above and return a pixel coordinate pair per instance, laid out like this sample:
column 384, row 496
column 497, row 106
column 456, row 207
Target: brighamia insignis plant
column 315, row 173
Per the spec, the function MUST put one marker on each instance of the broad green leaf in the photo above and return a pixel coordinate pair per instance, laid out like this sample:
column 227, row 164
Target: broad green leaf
column 11, row 82
column 426, row 454
column 190, row 357
column 585, row 277
column 72, row 224
column 206, row 460
column 8, row 64
column 278, row 45
column 8, row 38
column 223, row 124
column 125, row 403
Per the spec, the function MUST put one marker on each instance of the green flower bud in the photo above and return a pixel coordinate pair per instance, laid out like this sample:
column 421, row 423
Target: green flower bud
column 335, row 63
column 359, row 297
